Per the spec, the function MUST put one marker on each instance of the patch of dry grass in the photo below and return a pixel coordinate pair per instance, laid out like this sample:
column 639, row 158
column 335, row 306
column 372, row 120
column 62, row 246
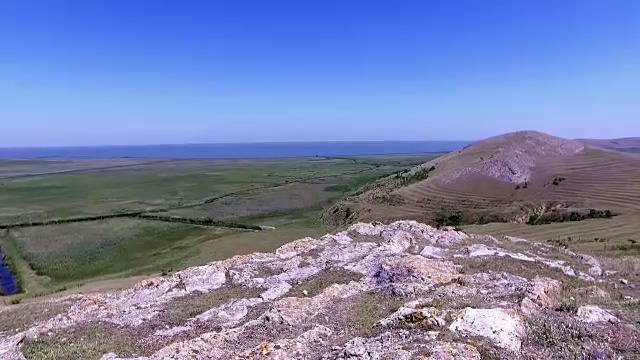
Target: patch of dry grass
column 181, row 309
column 20, row 317
column 89, row 341
column 558, row 335
column 626, row 266
column 367, row 309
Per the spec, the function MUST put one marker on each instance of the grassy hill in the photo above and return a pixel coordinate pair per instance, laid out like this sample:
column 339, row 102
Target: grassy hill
column 513, row 179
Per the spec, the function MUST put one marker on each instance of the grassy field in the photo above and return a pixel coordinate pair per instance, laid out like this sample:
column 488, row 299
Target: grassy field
column 58, row 257
column 76, row 251
column 288, row 194
column 167, row 185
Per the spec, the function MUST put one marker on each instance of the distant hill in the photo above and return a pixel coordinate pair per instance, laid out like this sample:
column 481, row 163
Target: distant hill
column 630, row 144
column 519, row 177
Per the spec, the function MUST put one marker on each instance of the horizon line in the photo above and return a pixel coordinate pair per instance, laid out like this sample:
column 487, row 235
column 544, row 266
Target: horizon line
column 235, row 143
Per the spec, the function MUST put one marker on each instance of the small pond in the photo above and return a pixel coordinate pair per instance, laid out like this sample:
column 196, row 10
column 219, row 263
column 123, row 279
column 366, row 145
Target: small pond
column 7, row 282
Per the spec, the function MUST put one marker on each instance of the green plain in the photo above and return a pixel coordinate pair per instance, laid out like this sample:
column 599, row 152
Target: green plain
column 288, row 194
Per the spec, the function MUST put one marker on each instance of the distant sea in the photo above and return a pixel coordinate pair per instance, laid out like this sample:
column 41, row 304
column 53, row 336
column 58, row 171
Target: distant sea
column 252, row 150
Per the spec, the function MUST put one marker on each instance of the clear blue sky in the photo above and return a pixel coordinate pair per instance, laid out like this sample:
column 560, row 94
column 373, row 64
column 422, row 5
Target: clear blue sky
column 87, row 72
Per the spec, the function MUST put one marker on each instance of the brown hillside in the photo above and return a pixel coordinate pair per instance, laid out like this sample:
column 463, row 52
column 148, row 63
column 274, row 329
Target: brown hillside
column 631, row 144
column 507, row 178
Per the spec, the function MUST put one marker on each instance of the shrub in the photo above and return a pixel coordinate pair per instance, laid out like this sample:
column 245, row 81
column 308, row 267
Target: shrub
column 567, row 306
column 417, row 176
column 455, row 219
column 562, row 243
column 563, row 216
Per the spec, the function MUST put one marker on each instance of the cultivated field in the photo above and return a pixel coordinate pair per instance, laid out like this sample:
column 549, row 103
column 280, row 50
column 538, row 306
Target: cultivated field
column 288, row 194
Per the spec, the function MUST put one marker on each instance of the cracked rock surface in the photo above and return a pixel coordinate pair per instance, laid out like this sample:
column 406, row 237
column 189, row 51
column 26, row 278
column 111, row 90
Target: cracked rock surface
column 403, row 290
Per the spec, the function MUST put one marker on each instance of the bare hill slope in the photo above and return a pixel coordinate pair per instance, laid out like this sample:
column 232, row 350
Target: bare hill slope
column 630, row 144
column 516, row 177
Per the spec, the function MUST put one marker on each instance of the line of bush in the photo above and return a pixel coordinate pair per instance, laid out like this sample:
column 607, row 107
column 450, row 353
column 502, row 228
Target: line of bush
column 136, row 214
column 69, row 220
column 411, row 178
column 564, row 216
column 198, row 221
column 455, row 219
column 358, row 182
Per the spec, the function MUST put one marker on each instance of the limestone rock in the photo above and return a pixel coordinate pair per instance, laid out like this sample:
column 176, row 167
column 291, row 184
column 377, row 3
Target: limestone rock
column 504, row 327
column 408, row 316
column 422, row 231
column 591, row 314
column 514, row 239
column 172, row 331
column 433, row 252
column 541, row 293
column 276, row 290
column 453, row 351
column 593, row 292
column 595, row 271
column 9, row 349
column 293, row 311
column 231, row 312
column 410, row 274
column 299, row 246
column 388, row 345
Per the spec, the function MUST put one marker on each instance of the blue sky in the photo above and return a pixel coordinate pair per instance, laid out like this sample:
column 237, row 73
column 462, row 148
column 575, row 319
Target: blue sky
column 88, row 72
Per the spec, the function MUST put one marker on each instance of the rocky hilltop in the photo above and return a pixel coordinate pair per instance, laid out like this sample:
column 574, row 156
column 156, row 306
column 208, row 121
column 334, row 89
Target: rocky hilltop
column 507, row 158
column 399, row 291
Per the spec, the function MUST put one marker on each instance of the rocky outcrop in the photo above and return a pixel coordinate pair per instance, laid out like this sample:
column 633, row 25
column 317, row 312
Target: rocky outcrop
column 542, row 293
column 410, row 291
column 504, row 327
column 592, row 314
column 9, row 347
column 511, row 157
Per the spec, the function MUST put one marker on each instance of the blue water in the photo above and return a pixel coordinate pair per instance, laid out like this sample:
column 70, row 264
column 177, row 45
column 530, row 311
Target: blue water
column 255, row 150
column 7, row 282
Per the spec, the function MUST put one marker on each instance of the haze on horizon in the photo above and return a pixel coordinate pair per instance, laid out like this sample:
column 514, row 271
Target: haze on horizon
column 98, row 72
